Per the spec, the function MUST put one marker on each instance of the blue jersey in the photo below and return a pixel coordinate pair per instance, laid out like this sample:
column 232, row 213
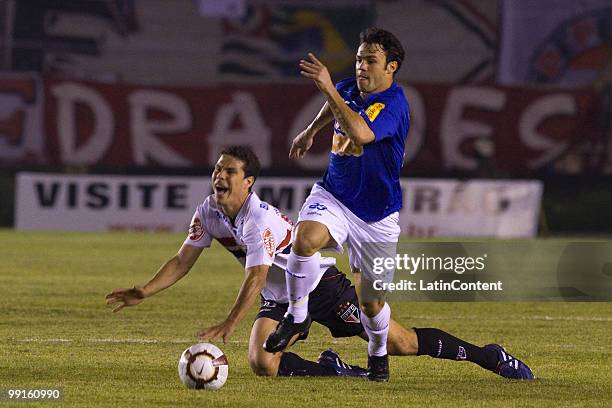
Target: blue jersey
column 366, row 178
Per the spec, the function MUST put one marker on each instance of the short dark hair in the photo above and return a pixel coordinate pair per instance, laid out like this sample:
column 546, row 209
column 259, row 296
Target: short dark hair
column 389, row 43
column 249, row 159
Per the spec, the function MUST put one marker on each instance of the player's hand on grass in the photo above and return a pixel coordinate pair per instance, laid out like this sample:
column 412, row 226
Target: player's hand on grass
column 125, row 297
column 315, row 70
column 301, row 144
column 222, row 330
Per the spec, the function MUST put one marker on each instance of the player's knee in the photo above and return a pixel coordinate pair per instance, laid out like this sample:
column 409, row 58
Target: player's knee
column 306, row 244
column 372, row 308
column 262, row 365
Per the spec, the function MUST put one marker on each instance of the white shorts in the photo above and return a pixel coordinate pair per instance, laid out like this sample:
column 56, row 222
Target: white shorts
column 346, row 227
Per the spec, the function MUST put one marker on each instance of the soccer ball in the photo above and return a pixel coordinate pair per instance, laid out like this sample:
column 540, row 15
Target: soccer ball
column 203, row 365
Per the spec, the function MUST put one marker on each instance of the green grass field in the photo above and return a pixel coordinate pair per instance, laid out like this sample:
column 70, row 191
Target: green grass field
column 57, row 332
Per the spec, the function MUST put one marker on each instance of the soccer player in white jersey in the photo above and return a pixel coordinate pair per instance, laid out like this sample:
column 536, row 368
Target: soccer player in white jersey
column 259, row 236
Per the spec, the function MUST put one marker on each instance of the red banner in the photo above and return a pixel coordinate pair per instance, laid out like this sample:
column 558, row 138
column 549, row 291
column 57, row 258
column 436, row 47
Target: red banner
column 484, row 129
column 21, row 125
column 496, row 129
column 98, row 124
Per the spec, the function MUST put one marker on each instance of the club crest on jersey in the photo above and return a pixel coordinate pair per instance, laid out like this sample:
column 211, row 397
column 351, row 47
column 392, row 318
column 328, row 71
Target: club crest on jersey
column 268, row 241
column 196, row 230
column 373, row 110
column 349, row 312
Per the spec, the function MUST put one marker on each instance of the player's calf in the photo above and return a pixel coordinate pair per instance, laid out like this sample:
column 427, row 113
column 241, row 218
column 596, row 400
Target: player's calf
column 439, row 344
column 292, row 365
column 377, row 329
column 401, row 341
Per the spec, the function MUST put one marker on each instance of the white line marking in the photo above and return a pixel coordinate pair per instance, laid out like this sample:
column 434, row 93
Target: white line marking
column 551, row 318
column 577, row 318
column 333, row 341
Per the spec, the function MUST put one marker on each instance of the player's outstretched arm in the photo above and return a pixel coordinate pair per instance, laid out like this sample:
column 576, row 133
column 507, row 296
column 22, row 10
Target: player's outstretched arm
column 169, row 273
column 302, row 142
column 254, row 281
column 351, row 122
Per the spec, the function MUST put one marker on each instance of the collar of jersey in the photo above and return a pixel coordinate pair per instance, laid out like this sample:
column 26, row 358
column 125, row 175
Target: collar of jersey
column 243, row 210
column 241, row 213
column 354, row 90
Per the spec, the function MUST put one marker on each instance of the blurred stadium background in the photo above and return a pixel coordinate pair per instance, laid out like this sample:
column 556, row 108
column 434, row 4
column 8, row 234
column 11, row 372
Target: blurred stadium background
column 511, row 108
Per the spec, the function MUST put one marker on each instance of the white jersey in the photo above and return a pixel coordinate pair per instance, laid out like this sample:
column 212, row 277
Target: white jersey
column 260, row 235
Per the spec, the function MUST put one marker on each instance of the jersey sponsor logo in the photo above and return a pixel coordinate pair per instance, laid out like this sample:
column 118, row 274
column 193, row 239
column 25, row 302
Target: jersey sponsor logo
column 343, row 146
column 316, row 207
column 349, row 312
column 314, row 213
column 373, row 110
column 196, row 230
column 268, row 241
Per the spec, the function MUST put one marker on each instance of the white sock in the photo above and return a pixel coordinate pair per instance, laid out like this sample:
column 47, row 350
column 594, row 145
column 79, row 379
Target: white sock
column 377, row 328
column 301, row 273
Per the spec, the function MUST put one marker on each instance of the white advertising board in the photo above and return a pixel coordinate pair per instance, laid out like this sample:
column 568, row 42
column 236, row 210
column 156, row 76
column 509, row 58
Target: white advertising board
column 487, row 208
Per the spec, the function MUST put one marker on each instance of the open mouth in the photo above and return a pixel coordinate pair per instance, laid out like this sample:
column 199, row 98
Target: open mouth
column 220, row 190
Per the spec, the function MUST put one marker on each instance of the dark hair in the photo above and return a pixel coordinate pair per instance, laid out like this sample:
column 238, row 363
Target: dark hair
column 389, row 43
column 249, row 159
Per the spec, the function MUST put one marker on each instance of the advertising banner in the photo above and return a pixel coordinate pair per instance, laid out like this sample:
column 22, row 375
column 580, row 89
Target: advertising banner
column 22, row 139
column 486, row 131
column 468, row 128
column 161, row 203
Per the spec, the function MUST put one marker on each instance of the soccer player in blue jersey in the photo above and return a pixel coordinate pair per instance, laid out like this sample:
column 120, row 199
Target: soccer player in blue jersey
column 359, row 197
column 358, row 200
